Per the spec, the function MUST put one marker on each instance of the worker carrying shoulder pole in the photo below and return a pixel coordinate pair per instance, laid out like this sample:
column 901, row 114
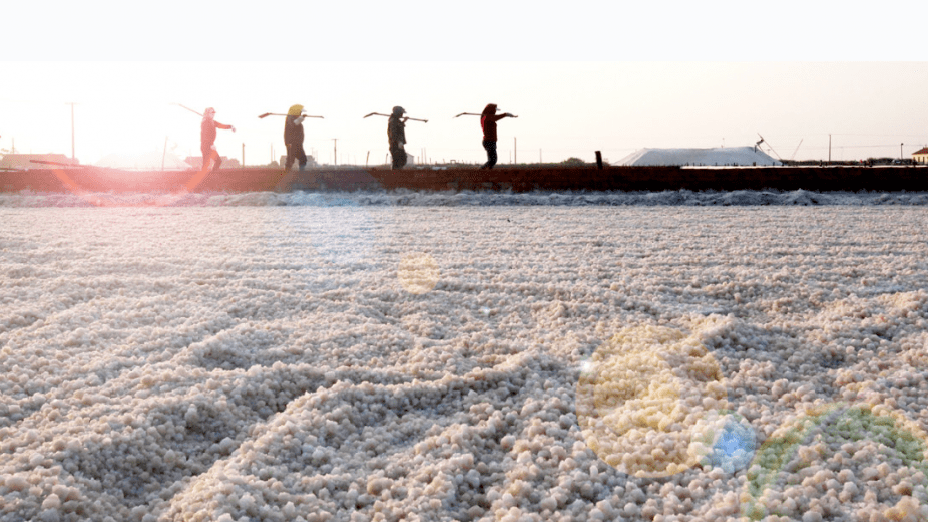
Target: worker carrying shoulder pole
column 293, row 137
column 396, row 134
column 208, row 139
column 488, row 121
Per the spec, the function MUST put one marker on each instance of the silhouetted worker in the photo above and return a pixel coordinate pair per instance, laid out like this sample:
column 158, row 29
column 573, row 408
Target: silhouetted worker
column 488, row 121
column 396, row 134
column 293, row 137
column 208, row 137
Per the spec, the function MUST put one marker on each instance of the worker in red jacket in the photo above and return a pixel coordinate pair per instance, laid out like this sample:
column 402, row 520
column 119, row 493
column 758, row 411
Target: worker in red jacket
column 488, row 121
column 208, row 137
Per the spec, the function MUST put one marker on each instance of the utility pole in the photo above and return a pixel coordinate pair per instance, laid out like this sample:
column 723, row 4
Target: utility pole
column 72, row 128
column 335, row 154
column 900, row 151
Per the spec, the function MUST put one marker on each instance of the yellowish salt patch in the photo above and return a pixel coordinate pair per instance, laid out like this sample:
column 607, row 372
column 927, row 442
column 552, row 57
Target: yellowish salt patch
column 630, row 399
column 418, row 273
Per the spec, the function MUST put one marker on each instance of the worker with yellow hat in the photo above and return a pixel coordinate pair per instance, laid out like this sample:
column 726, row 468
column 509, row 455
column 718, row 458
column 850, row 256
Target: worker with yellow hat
column 293, row 137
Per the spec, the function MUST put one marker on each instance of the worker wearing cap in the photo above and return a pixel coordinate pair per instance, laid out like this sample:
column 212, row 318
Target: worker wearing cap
column 208, row 138
column 488, row 121
column 396, row 134
column 293, row 137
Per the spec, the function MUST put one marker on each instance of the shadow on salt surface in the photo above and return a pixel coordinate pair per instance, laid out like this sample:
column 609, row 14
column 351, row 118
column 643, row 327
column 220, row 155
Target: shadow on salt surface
column 124, row 449
column 141, row 454
column 112, row 460
column 239, row 347
column 435, row 448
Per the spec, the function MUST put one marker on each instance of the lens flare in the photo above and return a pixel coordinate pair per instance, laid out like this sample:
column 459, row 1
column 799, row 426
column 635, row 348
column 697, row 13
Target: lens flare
column 829, row 440
column 641, row 396
column 137, row 200
column 723, row 440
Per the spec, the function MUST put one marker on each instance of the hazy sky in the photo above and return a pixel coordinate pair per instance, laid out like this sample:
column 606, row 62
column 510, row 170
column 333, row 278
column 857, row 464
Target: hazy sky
column 581, row 76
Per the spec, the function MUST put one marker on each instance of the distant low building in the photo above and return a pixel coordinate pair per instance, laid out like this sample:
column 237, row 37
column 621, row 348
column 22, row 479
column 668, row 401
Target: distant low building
column 920, row 157
column 35, row 161
column 720, row 157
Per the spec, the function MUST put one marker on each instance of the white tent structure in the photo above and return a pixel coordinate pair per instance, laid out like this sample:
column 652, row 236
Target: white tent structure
column 721, row 157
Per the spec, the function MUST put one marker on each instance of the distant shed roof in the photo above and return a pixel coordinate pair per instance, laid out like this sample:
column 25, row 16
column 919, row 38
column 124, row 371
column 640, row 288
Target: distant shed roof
column 734, row 156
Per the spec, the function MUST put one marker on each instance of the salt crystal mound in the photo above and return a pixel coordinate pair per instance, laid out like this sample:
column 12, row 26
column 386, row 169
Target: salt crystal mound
column 406, row 198
column 157, row 363
column 641, row 395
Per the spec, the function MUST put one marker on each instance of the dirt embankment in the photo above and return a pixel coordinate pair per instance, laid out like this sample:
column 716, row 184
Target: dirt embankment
column 515, row 179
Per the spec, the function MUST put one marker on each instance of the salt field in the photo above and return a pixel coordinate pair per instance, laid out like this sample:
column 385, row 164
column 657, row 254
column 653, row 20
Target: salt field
column 386, row 357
